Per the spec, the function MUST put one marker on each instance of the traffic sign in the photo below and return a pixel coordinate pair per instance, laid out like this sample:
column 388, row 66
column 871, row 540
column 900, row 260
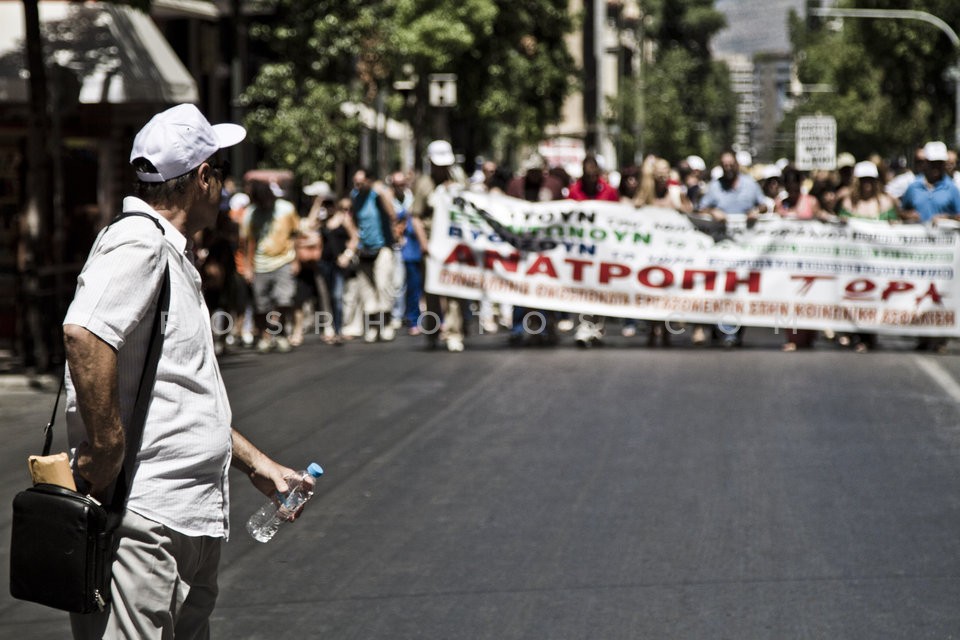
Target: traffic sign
column 443, row 89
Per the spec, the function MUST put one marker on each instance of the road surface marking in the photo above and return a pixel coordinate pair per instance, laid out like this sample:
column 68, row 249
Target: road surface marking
column 939, row 375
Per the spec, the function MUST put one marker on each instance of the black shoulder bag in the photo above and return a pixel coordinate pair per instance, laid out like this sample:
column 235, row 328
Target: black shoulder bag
column 61, row 545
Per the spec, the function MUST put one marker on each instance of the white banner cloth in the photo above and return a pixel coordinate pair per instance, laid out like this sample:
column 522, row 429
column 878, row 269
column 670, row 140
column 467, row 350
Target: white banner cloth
column 655, row 264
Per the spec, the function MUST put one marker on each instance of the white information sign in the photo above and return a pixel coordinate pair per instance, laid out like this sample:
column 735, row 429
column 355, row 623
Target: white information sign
column 443, row 89
column 816, row 138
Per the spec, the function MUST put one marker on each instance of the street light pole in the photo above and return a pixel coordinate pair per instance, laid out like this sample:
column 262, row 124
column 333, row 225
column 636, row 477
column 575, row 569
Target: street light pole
column 906, row 14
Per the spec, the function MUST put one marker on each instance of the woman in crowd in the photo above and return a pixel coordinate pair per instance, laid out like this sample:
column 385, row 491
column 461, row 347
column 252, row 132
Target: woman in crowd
column 866, row 201
column 794, row 204
column 338, row 262
column 657, row 189
column 826, row 190
column 629, row 184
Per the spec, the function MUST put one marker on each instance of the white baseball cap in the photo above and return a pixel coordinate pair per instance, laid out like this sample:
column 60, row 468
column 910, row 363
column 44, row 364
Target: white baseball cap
column 770, row 171
column 865, row 169
column 180, row 139
column 935, row 152
column 696, row 163
column 440, row 153
column 319, row 189
column 846, row 159
column 239, row 201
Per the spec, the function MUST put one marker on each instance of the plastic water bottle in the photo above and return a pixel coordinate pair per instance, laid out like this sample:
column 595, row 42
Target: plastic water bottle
column 263, row 524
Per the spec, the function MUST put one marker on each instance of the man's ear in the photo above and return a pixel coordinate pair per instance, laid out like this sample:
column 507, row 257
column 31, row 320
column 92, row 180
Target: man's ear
column 205, row 175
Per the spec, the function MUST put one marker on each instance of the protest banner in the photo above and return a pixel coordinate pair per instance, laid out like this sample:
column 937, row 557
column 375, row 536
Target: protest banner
column 655, row 264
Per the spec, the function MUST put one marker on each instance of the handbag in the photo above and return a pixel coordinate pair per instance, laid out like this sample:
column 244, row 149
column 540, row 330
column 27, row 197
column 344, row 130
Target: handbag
column 62, row 541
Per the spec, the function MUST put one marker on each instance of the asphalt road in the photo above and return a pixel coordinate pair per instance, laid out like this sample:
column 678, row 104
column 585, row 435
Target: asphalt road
column 616, row 493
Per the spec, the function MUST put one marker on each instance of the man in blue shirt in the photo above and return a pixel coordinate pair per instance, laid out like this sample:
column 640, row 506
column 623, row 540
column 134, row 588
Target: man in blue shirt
column 933, row 194
column 737, row 193
column 732, row 192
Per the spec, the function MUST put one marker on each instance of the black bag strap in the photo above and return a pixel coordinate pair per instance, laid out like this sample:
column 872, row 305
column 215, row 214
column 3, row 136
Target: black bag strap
column 139, row 214
column 144, row 391
column 145, row 386
column 48, row 430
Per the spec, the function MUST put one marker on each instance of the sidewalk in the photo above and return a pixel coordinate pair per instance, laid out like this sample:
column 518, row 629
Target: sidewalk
column 14, row 377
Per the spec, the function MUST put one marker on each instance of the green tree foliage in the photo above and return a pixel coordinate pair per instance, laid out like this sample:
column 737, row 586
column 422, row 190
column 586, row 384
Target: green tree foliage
column 889, row 80
column 515, row 80
column 510, row 59
column 689, row 106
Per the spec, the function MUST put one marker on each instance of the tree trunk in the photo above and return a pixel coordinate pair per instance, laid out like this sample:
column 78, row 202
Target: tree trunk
column 36, row 229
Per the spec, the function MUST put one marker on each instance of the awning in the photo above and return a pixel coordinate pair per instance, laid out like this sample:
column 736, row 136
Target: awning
column 116, row 53
column 200, row 9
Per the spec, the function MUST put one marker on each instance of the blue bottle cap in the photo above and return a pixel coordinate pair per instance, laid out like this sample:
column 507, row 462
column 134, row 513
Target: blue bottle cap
column 315, row 470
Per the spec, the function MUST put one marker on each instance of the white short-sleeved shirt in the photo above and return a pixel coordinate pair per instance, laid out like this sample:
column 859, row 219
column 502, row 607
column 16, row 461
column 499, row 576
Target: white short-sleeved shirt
column 180, row 477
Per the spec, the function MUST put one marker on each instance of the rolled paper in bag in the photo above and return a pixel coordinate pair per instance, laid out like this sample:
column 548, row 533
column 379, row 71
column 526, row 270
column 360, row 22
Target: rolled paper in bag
column 53, row 469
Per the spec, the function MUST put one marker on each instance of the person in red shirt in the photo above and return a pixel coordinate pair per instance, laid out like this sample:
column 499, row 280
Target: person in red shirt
column 591, row 186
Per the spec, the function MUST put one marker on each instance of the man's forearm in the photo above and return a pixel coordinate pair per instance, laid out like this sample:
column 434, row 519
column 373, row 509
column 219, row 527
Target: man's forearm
column 265, row 474
column 93, row 370
column 246, row 458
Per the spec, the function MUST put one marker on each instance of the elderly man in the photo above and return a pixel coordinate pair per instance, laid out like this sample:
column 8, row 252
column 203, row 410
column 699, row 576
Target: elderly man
column 164, row 581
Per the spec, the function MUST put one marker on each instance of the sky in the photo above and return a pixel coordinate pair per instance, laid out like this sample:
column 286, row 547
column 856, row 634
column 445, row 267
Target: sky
column 755, row 26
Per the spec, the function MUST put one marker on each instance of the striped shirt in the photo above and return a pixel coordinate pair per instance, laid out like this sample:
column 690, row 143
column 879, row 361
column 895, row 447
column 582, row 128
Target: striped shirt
column 180, row 478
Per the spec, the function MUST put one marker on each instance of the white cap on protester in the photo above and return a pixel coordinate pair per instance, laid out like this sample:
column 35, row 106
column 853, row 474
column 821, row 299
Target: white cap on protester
column 440, row 153
column 770, row 171
column 318, row 189
column 744, row 159
column 239, row 201
column 533, row 162
column 935, row 151
column 865, row 169
column 696, row 163
column 846, row 159
column 180, row 139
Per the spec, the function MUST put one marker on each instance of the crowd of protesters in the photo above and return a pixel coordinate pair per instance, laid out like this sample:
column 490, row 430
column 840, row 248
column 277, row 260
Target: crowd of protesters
column 350, row 266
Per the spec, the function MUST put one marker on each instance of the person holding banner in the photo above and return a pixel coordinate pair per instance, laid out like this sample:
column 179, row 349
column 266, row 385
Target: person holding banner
column 793, row 204
column 866, row 201
column 534, row 185
column 658, row 190
column 445, row 317
column 931, row 197
column 591, row 186
column 733, row 192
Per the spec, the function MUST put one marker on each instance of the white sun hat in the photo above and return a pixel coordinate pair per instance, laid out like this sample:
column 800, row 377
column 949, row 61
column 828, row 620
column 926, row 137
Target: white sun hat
column 440, row 153
column 865, row 169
